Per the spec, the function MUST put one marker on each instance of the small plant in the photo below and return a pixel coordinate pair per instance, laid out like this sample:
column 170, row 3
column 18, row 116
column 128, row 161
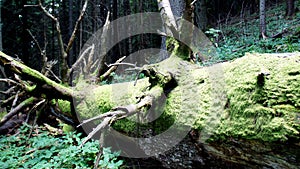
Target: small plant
column 45, row 151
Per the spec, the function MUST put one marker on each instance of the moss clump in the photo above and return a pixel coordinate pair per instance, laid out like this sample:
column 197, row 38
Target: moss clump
column 64, row 106
column 266, row 112
column 229, row 100
column 177, row 48
column 2, row 114
column 101, row 99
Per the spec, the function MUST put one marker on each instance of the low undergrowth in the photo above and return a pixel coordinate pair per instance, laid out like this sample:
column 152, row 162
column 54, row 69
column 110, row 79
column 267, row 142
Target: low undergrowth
column 40, row 149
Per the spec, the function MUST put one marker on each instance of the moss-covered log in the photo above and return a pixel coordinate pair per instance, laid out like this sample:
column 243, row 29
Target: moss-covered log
column 254, row 97
column 44, row 84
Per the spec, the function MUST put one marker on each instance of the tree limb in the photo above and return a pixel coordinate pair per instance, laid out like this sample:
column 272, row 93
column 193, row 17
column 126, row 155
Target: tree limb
column 14, row 111
column 47, row 85
column 72, row 38
column 117, row 113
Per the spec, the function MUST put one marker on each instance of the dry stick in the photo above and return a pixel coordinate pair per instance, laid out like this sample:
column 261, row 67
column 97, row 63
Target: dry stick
column 64, row 52
column 117, row 64
column 14, row 111
column 101, row 140
column 81, row 57
column 15, row 100
column 5, row 102
column 106, row 121
column 9, row 81
column 121, row 112
column 8, row 91
column 101, row 116
column 53, row 74
column 87, row 68
column 110, row 70
column 34, row 108
column 72, row 38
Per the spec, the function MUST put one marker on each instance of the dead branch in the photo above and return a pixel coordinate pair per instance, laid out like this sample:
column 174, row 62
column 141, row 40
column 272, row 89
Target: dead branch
column 8, row 91
column 17, row 109
column 110, row 70
column 118, row 64
column 89, row 62
column 10, row 99
column 72, row 38
column 46, row 85
column 81, row 57
column 64, row 54
column 14, row 103
column 117, row 113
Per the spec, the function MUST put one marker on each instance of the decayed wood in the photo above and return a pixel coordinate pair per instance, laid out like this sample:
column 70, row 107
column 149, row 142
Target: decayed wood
column 14, row 111
column 44, row 84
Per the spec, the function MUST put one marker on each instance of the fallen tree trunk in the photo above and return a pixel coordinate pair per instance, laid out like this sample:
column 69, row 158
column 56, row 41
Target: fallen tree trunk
column 254, row 97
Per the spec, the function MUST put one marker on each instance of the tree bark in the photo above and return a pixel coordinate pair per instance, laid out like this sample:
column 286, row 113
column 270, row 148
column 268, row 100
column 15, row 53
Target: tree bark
column 262, row 19
column 290, row 8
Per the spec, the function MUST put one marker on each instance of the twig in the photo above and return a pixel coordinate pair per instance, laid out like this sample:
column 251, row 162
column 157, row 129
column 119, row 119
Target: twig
column 118, row 113
column 64, row 54
column 14, row 111
column 8, row 91
column 9, row 81
column 106, row 121
column 81, row 57
column 5, row 102
column 101, row 116
column 72, row 38
column 118, row 64
column 53, row 74
column 15, row 100
column 193, row 2
column 110, row 70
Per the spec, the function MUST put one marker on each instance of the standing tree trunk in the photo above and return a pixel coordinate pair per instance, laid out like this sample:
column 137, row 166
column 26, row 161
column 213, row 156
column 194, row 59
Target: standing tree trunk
column 70, row 28
column 1, row 68
column 0, row 26
column 201, row 14
column 290, row 8
column 262, row 19
column 174, row 27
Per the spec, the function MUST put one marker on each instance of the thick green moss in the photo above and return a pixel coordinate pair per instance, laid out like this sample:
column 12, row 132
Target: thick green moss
column 64, row 106
column 228, row 99
column 101, row 99
column 254, row 97
column 267, row 112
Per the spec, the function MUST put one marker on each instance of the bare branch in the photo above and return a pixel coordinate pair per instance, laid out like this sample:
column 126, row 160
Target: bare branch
column 9, row 81
column 81, row 57
column 45, row 11
column 193, row 2
column 118, row 113
column 112, row 69
column 118, row 64
column 8, row 91
column 72, row 38
column 14, row 111
column 10, row 99
column 64, row 54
